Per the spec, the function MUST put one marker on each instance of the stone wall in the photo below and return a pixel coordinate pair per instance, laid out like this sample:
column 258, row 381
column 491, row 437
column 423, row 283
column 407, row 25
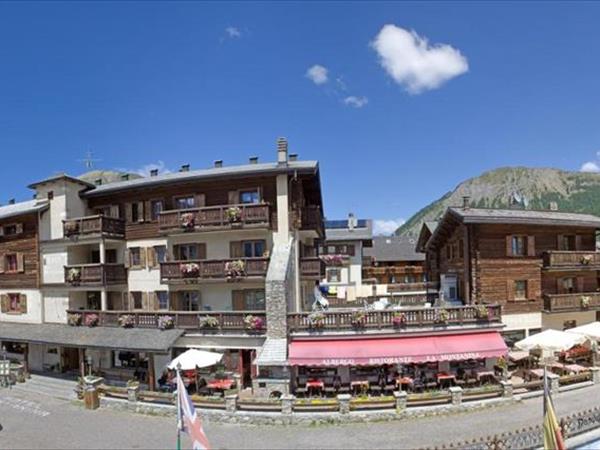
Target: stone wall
column 279, row 289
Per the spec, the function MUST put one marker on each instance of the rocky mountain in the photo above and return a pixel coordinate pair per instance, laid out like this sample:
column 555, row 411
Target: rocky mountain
column 107, row 176
column 524, row 187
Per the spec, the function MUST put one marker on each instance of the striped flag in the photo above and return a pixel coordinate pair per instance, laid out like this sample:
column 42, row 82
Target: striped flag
column 187, row 419
column 553, row 439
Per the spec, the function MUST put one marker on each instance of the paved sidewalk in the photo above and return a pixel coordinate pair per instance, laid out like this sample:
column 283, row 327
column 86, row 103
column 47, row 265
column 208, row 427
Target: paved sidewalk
column 31, row 421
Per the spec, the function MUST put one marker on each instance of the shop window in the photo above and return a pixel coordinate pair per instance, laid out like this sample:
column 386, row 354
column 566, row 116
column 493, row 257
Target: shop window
column 520, row 289
column 13, row 347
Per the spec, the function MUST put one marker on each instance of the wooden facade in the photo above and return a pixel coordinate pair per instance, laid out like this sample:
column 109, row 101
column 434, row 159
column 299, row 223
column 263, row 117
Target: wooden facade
column 19, row 252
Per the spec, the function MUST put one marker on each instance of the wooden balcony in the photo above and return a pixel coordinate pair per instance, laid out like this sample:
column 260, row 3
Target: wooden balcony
column 236, row 269
column 312, row 268
column 199, row 321
column 409, row 319
column 393, row 270
column 94, row 225
column 581, row 301
column 566, row 260
column 223, row 217
column 411, row 287
column 309, row 218
column 95, row 274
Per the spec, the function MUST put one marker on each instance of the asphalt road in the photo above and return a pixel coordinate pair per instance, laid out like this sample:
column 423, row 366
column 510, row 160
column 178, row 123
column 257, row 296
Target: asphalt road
column 31, row 420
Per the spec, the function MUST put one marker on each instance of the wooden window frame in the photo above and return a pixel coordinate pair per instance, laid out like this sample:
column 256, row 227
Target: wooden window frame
column 516, row 290
column 158, row 306
column 333, row 269
column 11, row 296
column 514, row 237
column 133, row 300
column 16, row 270
column 151, row 204
column 181, row 197
column 253, row 242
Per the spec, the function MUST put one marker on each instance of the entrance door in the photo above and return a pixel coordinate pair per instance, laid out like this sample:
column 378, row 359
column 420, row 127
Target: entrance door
column 70, row 359
column 246, row 368
column 449, row 287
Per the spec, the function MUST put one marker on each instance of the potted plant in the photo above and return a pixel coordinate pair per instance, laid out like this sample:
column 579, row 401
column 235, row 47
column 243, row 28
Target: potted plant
column 233, row 214
column 333, row 260
column 481, row 312
column 587, row 260
column 208, row 322
column 235, row 269
column 190, row 270
column 254, row 323
column 316, row 320
column 188, row 221
column 442, row 316
column 399, row 319
column 166, row 322
column 74, row 275
column 358, row 318
column 74, row 319
column 91, row 320
column 71, row 228
column 127, row 320
column 585, row 301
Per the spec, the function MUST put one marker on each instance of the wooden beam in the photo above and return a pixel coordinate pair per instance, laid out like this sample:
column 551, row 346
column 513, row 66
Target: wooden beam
column 81, row 353
column 151, row 375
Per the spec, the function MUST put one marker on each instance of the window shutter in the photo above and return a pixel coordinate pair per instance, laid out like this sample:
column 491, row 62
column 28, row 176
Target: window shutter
column 2, row 260
column 260, row 194
column 130, row 302
column 233, row 197
column 1, row 231
column 127, row 258
column 20, row 263
column 23, row 303
column 173, row 301
column 176, row 253
column 114, row 211
column 559, row 286
column 237, row 300
column 19, row 228
column 200, row 200
column 560, row 242
column 350, row 249
column 578, row 245
column 146, row 301
column 235, row 249
column 202, row 251
column 128, row 215
column 531, row 294
column 4, row 303
column 125, row 301
column 148, row 211
column 580, row 284
column 142, row 257
column 153, row 301
column 530, row 245
column 509, row 245
column 510, row 290
column 141, row 210
column 151, row 257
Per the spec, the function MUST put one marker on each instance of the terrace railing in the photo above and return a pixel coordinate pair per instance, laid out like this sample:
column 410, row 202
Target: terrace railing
column 235, row 269
column 312, row 267
column 91, row 225
column 571, row 259
column 580, row 301
column 95, row 274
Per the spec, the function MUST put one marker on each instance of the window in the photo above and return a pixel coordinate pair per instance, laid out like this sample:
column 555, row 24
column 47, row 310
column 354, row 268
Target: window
column 135, row 256
column 135, row 212
column 50, row 195
column 136, row 300
column 161, row 253
column 520, row 289
column 513, row 336
column 184, row 203
column 253, row 249
column 162, row 298
column 254, row 300
column 568, row 285
column 568, row 242
column 190, row 301
column 249, row 197
column 188, row 252
column 333, row 275
column 14, row 303
column 11, row 263
column 10, row 230
column 519, row 245
column 156, row 207
column 461, row 249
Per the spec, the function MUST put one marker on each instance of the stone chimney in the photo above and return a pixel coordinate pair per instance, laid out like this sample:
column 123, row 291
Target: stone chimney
column 466, row 202
column 282, row 150
column 11, row 201
column 98, row 181
column 253, row 160
column 154, row 172
column 293, row 157
column 125, row 177
column 185, row 168
column 352, row 222
column 218, row 163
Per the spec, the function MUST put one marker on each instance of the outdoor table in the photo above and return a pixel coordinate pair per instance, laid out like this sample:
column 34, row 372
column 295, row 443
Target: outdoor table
column 559, row 367
column 404, row 381
column 315, row 385
column 445, row 378
column 576, row 368
column 359, row 385
column 483, row 374
column 536, row 373
column 221, row 385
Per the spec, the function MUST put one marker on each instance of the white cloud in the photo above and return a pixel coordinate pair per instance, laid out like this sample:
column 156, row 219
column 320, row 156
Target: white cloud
column 356, row 102
column 317, row 74
column 386, row 226
column 415, row 64
column 144, row 170
column 233, row 32
column 590, row 166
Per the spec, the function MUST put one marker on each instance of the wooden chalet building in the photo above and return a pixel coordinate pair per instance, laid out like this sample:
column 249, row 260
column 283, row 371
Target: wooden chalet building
column 541, row 266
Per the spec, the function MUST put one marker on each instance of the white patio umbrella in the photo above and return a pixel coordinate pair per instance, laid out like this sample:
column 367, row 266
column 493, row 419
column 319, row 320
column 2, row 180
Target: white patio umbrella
column 192, row 358
column 551, row 341
column 590, row 330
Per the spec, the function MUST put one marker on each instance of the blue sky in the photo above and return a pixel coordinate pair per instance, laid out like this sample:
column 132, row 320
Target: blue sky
column 395, row 118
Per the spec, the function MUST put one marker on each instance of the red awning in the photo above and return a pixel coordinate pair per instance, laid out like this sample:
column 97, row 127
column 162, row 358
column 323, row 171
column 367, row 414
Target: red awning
column 401, row 350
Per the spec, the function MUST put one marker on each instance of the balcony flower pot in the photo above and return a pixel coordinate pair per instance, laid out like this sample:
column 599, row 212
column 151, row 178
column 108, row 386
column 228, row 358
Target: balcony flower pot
column 71, row 228
column 254, row 323
column 399, row 320
column 481, row 312
column 127, row 320
column 233, row 215
column 586, row 260
column 585, row 301
column 442, row 317
column 91, row 320
column 190, row 270
column 208, row 322
column 187, row 221
column 166, row 322
column 235, row 269
column 333, row 260
column 74, row 319
column 316, row 320
column 74, row 276
column 358, row 319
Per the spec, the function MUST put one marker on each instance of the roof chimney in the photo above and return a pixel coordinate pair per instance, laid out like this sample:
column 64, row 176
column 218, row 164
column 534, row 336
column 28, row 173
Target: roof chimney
column 154, row 172
column 553, row 206
column 125, row 177
column 253, row 160
column 11, row 201
column 351, row 221
column 185, row 168
column 293, row 157
column 218, row 163
column 466, row 202
column 282, row 150
column 98, row 181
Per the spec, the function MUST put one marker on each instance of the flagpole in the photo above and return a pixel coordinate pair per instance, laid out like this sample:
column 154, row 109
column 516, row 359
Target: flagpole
column 179, row 424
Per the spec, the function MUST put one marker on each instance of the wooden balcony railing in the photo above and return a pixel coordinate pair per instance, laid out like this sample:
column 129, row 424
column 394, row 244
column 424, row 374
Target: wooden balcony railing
column 215, row 217
column 409, row 287
column 393, row 270
column 90, row 225
column 566, row 259
column 95, row 274
column 312, row 267
column 309, row 218
column 214, row 269
column 202, row 321
column 394, row 319
column 581, row 301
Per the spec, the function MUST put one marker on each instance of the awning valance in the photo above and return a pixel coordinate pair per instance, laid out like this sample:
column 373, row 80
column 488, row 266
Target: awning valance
column 401, row 350
column 133, row 339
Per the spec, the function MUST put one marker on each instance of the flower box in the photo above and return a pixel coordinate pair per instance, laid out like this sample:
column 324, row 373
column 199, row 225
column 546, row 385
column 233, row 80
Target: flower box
column 316, row 320
column 91, row 320
column 254, row 323
column 187, row 221
column 333, row 260
column 71, row 228
column 166, row 322
column 74, row 275
column 399, row 319
column 208, row 322
column 358, row 319
column 233, row 214
column 585, row 301
column 481, row 312
column 586, row 260
column 127, row 320
column 235, row 269
column 442, row 317
column 190, row 270
column 74, row 319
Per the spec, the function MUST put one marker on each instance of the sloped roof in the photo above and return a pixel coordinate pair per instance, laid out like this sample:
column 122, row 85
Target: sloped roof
column 525, row 216
column 21, row 208
column 61, row 176
column 394, row 248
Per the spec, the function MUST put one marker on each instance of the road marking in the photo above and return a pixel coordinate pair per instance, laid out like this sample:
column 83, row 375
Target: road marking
column 25, row 406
